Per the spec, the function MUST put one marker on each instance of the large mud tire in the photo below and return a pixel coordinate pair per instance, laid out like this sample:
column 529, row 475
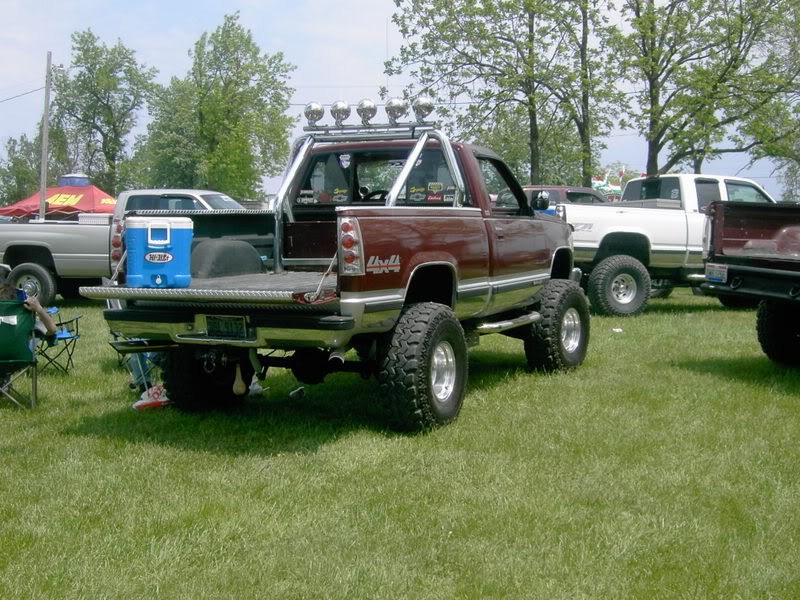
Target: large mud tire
column 560, row 339
column 778, row 329
column 192, row 386
column 619, row 286
column 36, row 281
column 423, row 368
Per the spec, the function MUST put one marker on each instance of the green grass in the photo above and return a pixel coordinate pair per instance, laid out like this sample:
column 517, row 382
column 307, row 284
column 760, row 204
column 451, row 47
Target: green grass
column 665, row 467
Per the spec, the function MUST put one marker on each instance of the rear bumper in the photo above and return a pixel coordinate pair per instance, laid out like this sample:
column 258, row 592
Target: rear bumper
column 757, row 282
column 279, row 330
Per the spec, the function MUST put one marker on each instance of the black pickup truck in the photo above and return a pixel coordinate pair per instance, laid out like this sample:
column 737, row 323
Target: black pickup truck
column 753, row 251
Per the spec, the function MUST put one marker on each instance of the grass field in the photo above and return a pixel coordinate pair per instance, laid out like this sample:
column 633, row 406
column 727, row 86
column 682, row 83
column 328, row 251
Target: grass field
column 665, row 467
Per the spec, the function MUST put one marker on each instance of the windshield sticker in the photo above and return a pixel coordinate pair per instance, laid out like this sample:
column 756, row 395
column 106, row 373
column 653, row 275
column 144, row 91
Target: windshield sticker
column 340, row 195
column 416, row 190
column 376, row 264
column 435, row 186
column 435, row 198
column 417, row 197
column 344, row 160
column 306, row 197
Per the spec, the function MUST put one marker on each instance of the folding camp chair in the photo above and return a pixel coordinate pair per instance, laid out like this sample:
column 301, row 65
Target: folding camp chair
column 17, row 356
column 59, row 350
column 142, row 358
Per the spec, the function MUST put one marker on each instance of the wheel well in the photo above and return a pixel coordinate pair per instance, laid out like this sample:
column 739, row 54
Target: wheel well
column 432, row 283
column 16, row 255
column 632, row 244
column 562, row 264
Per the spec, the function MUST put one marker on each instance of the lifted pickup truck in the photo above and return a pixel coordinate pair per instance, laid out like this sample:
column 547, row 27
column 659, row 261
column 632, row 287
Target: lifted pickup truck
column 753, row 252
column 51, row 257
column 388, row 239
column 652, row 236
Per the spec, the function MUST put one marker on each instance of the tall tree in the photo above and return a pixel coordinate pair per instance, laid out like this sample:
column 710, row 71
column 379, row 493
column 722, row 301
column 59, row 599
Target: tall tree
column 484, row 57
column 223, row 126
column 560, row 158
column 703, row 71
column 101, row 95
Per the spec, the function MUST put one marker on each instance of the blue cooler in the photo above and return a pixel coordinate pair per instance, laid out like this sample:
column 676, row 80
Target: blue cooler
column 159, row 251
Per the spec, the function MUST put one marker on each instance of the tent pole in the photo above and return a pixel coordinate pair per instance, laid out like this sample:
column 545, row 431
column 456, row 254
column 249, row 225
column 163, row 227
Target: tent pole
column 45, row 131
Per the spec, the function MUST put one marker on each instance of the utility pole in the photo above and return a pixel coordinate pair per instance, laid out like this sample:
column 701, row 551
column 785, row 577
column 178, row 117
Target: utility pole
column 45, row 131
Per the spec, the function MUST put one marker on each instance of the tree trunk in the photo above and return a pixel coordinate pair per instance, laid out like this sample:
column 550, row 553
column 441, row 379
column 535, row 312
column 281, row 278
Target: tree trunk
column 585, row 130
column 533, row 140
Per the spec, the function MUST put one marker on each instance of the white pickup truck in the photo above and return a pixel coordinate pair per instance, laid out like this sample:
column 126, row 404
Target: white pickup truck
column 652, row 238
column 50, row 257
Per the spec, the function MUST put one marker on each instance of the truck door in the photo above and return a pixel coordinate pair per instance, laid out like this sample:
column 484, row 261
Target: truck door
column 519, row 249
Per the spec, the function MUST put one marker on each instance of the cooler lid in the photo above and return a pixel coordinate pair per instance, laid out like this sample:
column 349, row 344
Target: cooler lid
column 159, row 222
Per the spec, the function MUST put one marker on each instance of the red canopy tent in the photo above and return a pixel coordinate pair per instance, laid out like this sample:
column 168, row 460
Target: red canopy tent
column 64, row 201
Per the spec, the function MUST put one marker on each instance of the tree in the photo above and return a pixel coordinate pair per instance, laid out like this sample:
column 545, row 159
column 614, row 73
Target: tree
column 484, row 59
column 223, row 126
column 98, row 99
column 703, row 70
column 19, row 172
column 560, row 156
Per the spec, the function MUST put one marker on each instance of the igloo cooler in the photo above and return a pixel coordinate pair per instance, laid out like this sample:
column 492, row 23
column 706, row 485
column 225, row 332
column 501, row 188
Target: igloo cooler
column 159, row 251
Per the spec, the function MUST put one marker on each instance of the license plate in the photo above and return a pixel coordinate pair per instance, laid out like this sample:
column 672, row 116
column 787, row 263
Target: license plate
column 225, row 326
column 718, row 273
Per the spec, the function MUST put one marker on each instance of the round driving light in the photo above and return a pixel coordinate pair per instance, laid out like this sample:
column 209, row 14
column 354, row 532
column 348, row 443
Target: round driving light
column 423, row 106
column 366, row 110
column 340, row 111
column 313, row 112
column 396, row 108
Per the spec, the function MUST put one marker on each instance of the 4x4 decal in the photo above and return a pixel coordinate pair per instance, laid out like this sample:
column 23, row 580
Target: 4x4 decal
column 378, row 265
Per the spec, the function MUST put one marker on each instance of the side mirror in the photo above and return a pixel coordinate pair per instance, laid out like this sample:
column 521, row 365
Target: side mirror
column 542, row 201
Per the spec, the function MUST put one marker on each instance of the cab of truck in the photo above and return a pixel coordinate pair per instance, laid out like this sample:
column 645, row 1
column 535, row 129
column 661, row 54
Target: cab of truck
column 694, row 192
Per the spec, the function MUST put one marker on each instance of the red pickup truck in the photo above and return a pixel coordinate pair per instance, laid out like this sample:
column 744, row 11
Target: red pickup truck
column 752, row 252
column 387, row 239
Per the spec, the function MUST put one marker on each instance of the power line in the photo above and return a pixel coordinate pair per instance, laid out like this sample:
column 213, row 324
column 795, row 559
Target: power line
column 20, row 95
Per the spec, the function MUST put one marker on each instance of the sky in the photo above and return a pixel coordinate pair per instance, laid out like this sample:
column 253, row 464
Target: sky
column 338, row 47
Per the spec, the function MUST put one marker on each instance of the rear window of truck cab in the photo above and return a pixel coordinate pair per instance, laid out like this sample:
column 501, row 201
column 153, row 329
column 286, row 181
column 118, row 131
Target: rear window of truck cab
column 180, row 202
column 366, row 176
column 651, row 189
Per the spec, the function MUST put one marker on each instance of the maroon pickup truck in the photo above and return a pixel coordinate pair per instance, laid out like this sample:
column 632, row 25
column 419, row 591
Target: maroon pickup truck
column 753, row 253
column 389, row 240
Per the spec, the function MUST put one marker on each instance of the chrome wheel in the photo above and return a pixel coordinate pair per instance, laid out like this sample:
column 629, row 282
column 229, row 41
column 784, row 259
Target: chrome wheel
column 624, row 288
column 443, row 371
column 30, row 286
column 571, row 331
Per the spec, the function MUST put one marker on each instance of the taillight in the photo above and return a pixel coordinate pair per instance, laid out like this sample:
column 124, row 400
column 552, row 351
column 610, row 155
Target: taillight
column 117, row 244
column 351, row 251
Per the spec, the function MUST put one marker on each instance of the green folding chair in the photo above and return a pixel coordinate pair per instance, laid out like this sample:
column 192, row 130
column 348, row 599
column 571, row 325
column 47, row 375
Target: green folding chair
column 17, row 354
